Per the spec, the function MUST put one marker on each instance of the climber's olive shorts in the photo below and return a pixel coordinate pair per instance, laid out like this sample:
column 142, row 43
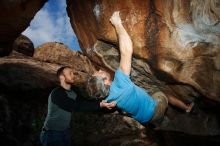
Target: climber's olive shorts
column 162, row 104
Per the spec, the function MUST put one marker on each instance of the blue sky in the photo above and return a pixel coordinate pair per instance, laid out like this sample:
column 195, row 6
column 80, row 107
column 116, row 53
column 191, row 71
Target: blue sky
column 51, row 24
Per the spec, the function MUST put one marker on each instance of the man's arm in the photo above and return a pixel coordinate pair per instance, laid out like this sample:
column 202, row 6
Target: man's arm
column 61, row 99
column 125, row 43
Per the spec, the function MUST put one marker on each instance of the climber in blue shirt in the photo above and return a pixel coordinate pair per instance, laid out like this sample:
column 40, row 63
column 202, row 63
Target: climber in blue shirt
column 129, row 97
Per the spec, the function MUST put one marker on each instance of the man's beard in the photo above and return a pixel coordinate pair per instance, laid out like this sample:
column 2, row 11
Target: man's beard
column 67, row 81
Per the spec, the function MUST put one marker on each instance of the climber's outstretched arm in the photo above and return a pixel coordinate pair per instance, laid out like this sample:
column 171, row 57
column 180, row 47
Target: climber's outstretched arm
column 125, row 43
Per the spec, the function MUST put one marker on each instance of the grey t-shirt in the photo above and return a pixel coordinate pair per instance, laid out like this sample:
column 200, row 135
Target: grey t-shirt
column 61, row 103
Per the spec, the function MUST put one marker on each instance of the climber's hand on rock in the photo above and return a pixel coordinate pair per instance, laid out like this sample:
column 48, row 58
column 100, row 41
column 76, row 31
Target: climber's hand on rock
column 115, row 19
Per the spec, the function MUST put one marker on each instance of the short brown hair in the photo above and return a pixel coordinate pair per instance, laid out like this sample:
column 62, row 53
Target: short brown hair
column 61, row 69
column 96, row 87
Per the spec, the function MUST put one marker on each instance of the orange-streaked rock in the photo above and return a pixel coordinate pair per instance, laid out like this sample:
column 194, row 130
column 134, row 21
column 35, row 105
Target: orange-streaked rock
column 59, row 53
column 179, row 39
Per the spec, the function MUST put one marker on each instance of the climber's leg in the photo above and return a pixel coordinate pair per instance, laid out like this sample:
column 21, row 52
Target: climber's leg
column 162, row 104
column 179, row 103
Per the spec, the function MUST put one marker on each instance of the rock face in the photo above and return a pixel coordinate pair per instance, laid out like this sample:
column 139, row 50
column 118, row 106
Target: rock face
column 25, row 84
column 20, row 72
column 26, row 74
column 15, row 17
column 179, row 39
column 60, row 54
column 176, row 48
column 63, row 55
column 24, row 46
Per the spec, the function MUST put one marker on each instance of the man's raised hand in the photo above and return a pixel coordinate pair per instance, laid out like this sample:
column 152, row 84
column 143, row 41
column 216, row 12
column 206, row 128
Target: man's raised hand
column 115, row 18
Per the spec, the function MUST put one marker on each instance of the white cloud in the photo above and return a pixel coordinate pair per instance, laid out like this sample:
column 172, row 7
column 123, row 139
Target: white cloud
column 51, row 26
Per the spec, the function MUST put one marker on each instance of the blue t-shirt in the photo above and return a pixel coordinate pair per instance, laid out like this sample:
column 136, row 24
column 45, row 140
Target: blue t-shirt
column 131, row 98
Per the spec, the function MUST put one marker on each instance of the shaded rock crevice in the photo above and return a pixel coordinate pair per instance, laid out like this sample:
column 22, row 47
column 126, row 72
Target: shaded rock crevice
column 15, row 17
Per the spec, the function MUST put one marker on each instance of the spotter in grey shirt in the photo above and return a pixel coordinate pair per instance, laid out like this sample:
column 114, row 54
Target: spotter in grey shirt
column 61, row 103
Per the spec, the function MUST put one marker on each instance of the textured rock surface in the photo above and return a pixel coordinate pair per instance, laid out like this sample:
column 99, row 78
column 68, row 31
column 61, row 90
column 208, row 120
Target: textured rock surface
column 179, row 39
column 22, row 127
column 60, row 54
column 24, row 46
column 26, row 74
column 113, row 129
column 26, row 83
column 203, row 122
column 176, row 48
column 176, row 40
column 15, row 17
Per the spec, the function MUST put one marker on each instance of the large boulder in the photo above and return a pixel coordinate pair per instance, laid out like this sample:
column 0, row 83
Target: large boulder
column 176, row 48
column 59, row 53
column 179, row 39
column 26, row 74
column 24, row 46
column 26, row 83
column 15, row 17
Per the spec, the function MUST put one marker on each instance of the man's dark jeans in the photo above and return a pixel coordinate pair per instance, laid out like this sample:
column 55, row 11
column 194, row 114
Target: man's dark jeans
column 55, row 138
